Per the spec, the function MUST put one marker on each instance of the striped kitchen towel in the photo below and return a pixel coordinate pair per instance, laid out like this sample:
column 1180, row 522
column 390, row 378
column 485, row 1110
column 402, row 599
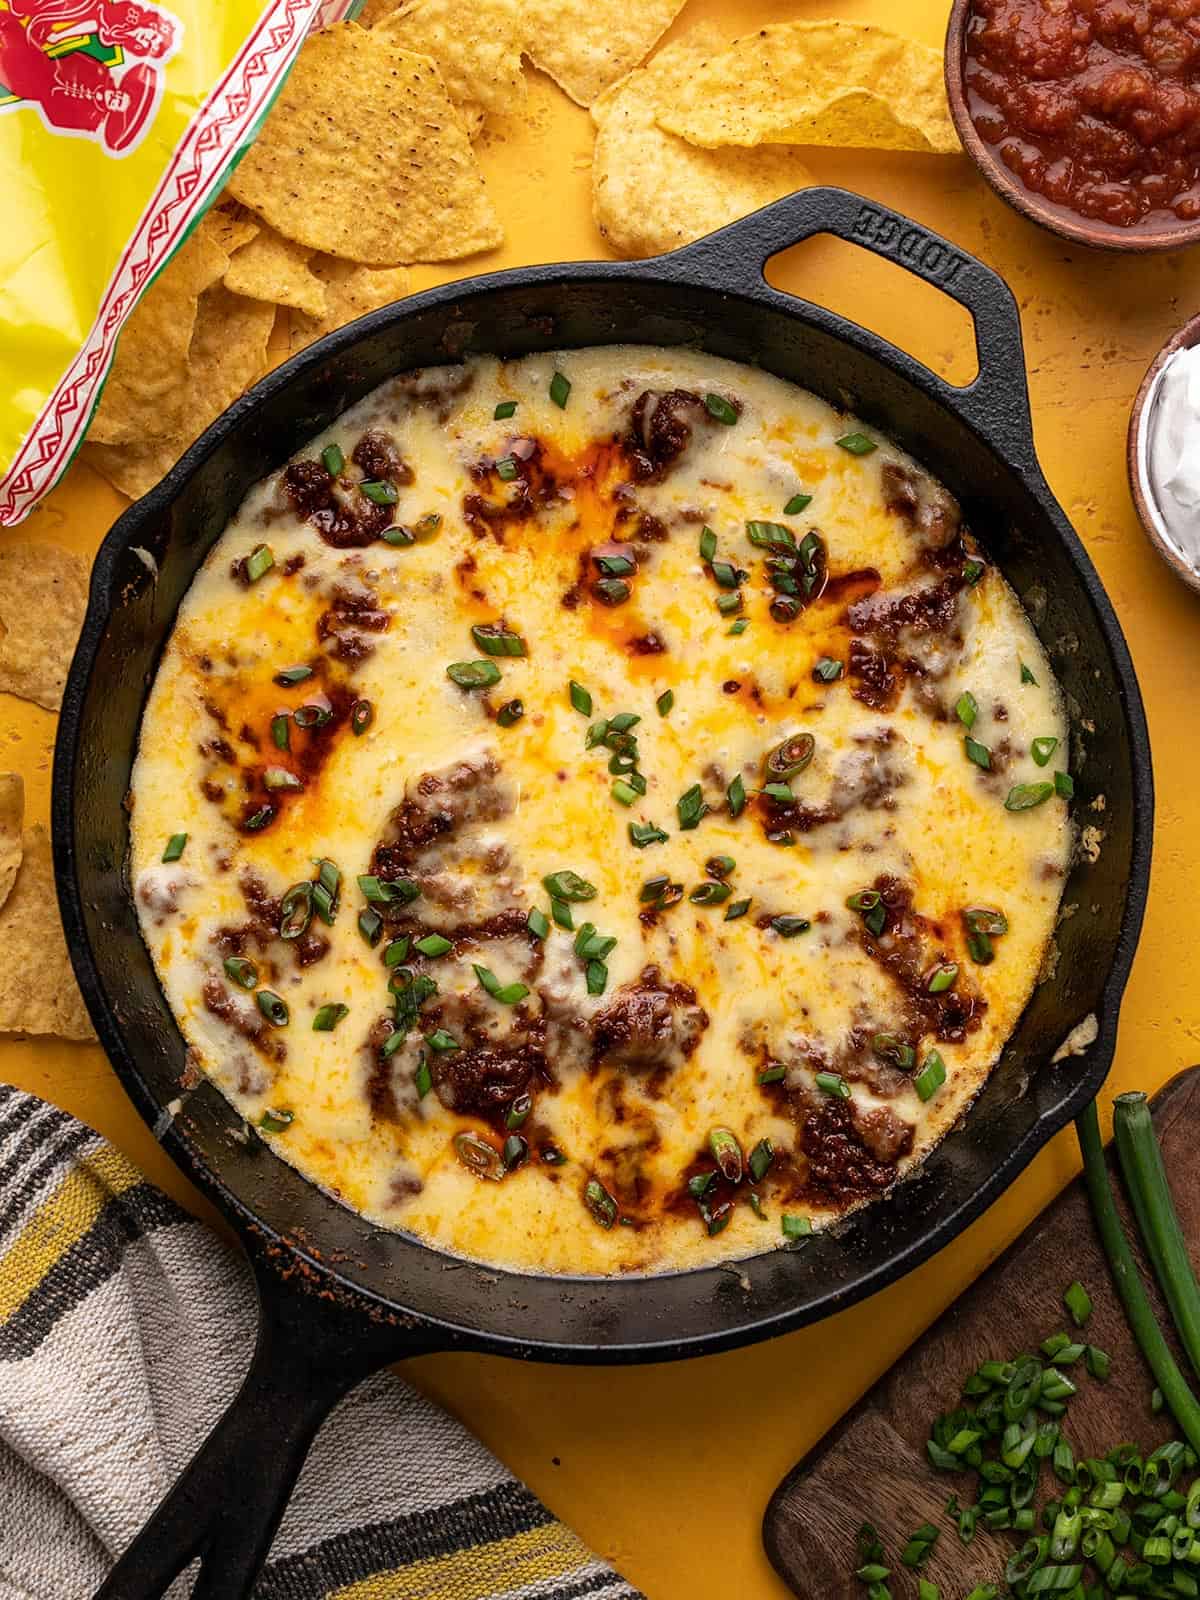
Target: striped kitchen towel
column 125, row 1326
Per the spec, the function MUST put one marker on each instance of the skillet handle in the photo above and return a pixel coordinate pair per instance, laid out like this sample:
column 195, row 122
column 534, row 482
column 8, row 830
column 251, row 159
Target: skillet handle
column 228, row 1502
column 996, row 403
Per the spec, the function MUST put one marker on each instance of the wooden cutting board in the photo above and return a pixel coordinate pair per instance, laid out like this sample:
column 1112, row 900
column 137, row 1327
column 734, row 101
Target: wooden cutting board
column 872, row 1466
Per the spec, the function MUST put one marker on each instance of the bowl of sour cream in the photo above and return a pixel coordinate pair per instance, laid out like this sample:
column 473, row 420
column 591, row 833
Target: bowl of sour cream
column 1164, row 453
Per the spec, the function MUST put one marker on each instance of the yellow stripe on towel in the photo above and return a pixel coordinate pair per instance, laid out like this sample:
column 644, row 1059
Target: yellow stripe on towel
column 60, row 1222
column 477, row 1573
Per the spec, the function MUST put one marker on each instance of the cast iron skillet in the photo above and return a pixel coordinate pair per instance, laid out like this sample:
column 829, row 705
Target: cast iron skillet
column 339, row 1298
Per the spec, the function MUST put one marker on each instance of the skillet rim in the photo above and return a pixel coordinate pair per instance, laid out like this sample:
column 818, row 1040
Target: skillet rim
column 685, row 268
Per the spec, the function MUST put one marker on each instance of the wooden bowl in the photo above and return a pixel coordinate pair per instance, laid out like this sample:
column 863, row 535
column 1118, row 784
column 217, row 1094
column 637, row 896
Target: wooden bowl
column 1059, row 220
column 1187, row 336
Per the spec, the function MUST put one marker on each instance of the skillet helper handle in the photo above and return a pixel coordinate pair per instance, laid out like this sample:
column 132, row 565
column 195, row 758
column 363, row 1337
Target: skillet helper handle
column 996, row 403
column 228, row 1502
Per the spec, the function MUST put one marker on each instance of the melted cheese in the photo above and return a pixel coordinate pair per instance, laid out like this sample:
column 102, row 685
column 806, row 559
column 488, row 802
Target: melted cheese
column 913, row 807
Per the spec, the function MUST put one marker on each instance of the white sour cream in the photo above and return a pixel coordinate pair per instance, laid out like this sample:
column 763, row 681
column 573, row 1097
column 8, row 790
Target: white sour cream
column 1170, row 453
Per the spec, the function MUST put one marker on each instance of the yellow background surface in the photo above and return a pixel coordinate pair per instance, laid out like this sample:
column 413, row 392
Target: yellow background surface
column 666, row 1469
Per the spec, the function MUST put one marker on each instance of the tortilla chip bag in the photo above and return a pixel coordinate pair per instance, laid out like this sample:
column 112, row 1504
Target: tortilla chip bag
column 119, row 121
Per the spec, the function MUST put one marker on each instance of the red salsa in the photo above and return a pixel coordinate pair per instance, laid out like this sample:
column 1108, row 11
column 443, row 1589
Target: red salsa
column 1093, row 104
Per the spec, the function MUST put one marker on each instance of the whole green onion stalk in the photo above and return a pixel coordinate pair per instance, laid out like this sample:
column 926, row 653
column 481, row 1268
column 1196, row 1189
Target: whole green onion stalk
column 1128, row 1283
column 1150, row 1196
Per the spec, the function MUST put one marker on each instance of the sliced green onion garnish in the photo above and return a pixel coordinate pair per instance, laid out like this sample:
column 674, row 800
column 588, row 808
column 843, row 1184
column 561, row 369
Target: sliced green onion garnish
column 396, row 952
column 479, row 1157
column 276, row 1121
column 398, row 535
column 290, row 675
column 832, row 1083
column 1026, row 675
column 664, row 702
column 972, row 572
column 624, row 793
column 384, row 891
column 760, row 1159
column 380, row 492
column 434, row 945
column 259, row 819
column 175, row 846
column 510, row 713
column 978, row 753
column 797, row 504
column 600, row 1203
column 726, row 574
column 370, row 925
column 770, row 535
column 690, row 807
column 775, row 1073
column 739, row 627
column 424, row 528
column 506, row 469
column 538, row 923
column 611, row 591
column 561, row 912
column 789, row 927
column 728, row 604
column 244, row 973
column 333, row 460
column 616, row 566
column 423, row 1077
column 260, row 560
column 473, row 674
column 596, row 977
column 442, row 1041
column 281, row 731
column 495, row 640
column 560, row 388
column 708, row 544
column 789, row 759
column 273, row 1008
column 643, row 833
column 721, row 409
column 942, row 977
column 710, row 894
column 727, row 1153
column 795, row 1227
column 1024, row 796
column 736, row 909
column 1042, row 749
column 827, row 670
column 506, row 408
column 1078, row 1302
column 515, row 1152
column 507, row 994
column 568, row 885
column 295, row 911
column 966, row 708
column 312, row 715
column 1064, row 785
column 580, row 699
column 856, row 444
column 931, row 1076
column 735, row 797
column 328, row 1017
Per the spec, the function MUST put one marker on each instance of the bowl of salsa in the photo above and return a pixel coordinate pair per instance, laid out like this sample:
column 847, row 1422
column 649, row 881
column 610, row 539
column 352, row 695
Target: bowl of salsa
column 1084, row 114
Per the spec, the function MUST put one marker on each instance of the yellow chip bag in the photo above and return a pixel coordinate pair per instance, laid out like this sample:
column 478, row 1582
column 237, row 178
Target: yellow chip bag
column 652, row 191
column 843, row 84
column 119, row 121
column 363, row 156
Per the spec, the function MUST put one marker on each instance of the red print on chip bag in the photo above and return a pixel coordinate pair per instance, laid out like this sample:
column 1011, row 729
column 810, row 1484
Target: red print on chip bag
column 92, row 69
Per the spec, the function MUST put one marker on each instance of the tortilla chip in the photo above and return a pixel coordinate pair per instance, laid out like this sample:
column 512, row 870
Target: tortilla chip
column 364, row 157
column 653, row 192
column 228, row 353
column 842, row 84
column 586, row 45
column 479, row 59
column 12, row 816
column 350, row 292
column 146, row 388
column 272, row 268
column 43, row 595
column 38, row 993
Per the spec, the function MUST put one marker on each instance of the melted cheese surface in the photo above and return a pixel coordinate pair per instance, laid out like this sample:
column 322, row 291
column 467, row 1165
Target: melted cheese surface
column 626, row 1085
